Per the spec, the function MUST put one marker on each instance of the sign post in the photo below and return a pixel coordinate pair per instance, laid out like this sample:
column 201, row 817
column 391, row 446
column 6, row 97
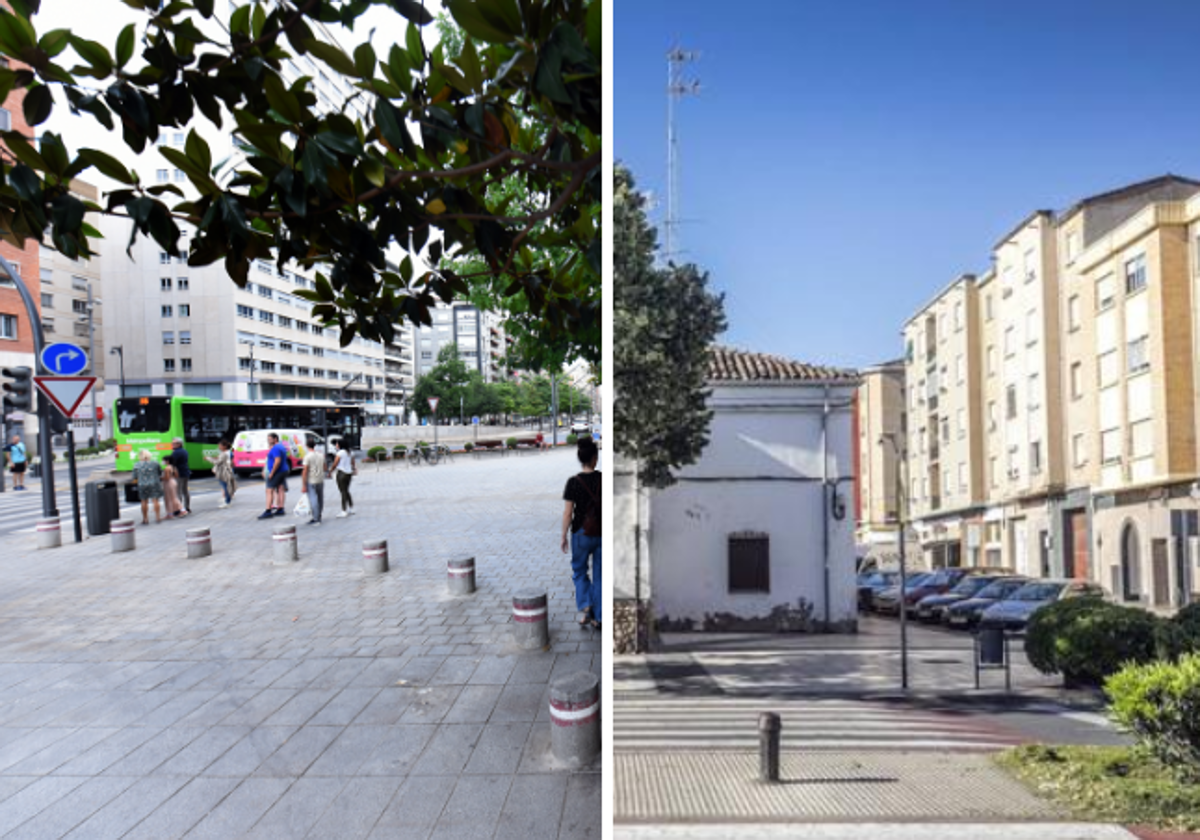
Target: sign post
column 66, row 393
column 64, row 359
column 433, row 403
column 475, row 423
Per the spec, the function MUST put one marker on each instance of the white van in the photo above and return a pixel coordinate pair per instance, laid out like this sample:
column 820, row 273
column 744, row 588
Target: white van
column 250, row 448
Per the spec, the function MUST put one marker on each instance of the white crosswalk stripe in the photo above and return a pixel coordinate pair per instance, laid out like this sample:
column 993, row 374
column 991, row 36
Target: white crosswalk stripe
column 646, row 723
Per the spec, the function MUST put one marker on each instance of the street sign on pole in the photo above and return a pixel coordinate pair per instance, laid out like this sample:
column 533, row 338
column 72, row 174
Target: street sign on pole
column 64, row 359
column 65, row 392
column 475, row 420
column 433, row 401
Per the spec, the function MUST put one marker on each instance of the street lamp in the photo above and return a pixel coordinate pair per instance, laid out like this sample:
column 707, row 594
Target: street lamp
column 120, row 351
column 251, row 373
column 902, row 502
column 92, row 303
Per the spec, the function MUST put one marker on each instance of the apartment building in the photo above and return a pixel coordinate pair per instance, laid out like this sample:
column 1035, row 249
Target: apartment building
column 944, row 449
column 478, row 334
column 879, row 439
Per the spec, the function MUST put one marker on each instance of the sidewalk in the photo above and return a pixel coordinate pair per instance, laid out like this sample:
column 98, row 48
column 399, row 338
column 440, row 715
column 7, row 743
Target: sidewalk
column 147, row 695
column 877, row 831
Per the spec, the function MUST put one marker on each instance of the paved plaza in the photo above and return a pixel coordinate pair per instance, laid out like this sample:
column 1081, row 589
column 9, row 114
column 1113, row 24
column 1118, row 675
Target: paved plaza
column 145, row 695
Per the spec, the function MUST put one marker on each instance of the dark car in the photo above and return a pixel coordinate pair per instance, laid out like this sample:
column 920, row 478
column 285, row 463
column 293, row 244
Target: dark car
column 932, row 607
column 887, row 601
column 932, row 583
column 966, row 613
column 1014, row 612
column 870, row 583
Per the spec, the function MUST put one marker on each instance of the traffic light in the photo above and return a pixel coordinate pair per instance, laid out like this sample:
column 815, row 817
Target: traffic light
column 19, row 392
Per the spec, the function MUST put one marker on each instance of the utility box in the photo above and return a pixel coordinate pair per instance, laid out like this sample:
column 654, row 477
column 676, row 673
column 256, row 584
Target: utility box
column 103, row 506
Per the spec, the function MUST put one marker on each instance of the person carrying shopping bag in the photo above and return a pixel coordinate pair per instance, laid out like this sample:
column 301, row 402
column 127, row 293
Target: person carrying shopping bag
column 223, row 469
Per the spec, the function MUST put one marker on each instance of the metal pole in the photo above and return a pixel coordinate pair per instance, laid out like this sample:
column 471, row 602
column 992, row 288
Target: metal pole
column 903, row 606
column 74, row 483
column 554, row 407
column 92, row 360
column 251, row 373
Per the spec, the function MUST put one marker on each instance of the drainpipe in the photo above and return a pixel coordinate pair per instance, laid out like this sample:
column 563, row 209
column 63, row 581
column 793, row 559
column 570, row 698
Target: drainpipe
column 825, row 489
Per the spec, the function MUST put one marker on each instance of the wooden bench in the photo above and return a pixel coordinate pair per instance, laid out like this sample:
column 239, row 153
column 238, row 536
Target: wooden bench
column 495, row 445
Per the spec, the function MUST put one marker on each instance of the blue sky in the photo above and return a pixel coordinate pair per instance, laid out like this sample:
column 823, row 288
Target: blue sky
column 846, row 160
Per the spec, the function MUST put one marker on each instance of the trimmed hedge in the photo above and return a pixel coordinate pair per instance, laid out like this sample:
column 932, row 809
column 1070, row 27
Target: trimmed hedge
column 377, row 453
column 1087, row 639
column 468, row 446
column 1159, row 704
column 511, row 443
column 572, row 440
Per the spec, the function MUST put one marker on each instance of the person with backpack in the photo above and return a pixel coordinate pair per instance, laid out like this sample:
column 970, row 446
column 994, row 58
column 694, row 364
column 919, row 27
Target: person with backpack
column 581, row 517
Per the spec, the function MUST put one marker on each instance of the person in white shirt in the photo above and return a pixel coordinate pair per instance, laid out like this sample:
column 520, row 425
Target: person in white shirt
column 312, row 482
column 345, row 468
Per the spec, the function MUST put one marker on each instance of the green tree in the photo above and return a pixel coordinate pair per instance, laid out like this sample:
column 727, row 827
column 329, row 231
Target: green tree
column 520, row 98
column 535, row 397
column 448, row 380
column 664, row 321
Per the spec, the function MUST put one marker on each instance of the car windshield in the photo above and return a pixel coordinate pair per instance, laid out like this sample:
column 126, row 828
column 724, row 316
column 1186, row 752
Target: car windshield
column 969, row 585
column 917, row 580
column 1000, row 588
column 1038, row 592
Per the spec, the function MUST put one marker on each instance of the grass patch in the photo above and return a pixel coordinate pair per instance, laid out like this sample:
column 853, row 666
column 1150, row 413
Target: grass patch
column 1108, row 784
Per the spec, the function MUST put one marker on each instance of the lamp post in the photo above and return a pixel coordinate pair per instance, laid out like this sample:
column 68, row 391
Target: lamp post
column 92, row 303
column 120, row 351
column 902, row 503
column 251, row 373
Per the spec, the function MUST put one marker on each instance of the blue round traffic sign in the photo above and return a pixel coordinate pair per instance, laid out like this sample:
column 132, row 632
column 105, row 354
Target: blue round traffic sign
column 63, row 359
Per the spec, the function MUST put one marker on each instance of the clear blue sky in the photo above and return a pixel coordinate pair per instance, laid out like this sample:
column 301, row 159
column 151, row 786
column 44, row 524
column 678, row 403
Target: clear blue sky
column 846, row 160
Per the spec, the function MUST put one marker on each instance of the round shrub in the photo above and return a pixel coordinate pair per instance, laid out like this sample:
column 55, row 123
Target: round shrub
column 468, row 446
column 377, row 453
column 399, row 451
column 1046, row 628
column 511, row 443
column 572, row 439
column 1159, row 704
column 1180, row 634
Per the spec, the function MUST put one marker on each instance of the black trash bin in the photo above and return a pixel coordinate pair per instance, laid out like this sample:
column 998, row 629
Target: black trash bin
column 991, row 646
column 103, row 506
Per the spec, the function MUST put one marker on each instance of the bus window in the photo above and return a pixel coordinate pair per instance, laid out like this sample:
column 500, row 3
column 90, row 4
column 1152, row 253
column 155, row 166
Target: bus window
column 206, row 422
column 143, row 414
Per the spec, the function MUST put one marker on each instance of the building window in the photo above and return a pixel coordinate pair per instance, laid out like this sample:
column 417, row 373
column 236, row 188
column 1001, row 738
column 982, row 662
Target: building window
column 285, row 321
column 1010, row 342
column 962, row 423
column 1076, row 380
column 988, row 310
column 164, row 283
column 960, row 373
column 1135, row 274
column 244, row 311
column 185, row 337
column 46, row 273
column 1035, row 457
column 244, row 364
column 267, row 367
column 1074, row 313
column 1031, row 328
column 285, row 346
column 163, row 176
column 1014, row 471
column 1034, row 395
column 958, row 316
column 286, row 369
column 318, row 330
column 168, row 365
column 47, row 301
column 185, row 310
column 166, row 310
column 1106, row 292
column 48, row 325
column 749, row 563
column 1072, row 245
column 994, row 469
column 168, row 337
column 302, row 326
column 318, row 351
column 79, row 307
column 991, row 360
column 1141, row 439
column 263, row 291
column 1010, row 396
column 1110, row 368
column 8, row 326
column 1110, row 446
column 182, row 284
column 164, row 258
column 5, row 116
column 304, row 371
column 81, row 330
column 266, row 317
column 1078, row 450
column 426, row 355
column 186, row 365
column 180, row 177
column 1137, row 355
column 991, row 415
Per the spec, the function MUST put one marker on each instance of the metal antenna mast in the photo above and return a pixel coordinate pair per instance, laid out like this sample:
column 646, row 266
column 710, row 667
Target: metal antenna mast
column 677, row 88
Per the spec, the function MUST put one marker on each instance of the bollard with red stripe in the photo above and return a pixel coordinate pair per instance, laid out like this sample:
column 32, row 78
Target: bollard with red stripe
column 49, row 532
column 287, row 550
column 460, row 575
column 530, row 628
column 575, row 718
column 375, row 556
column 199, row 542
column 123, row 537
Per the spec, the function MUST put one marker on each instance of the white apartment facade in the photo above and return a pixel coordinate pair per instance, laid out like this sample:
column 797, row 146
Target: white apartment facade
column 478, row 334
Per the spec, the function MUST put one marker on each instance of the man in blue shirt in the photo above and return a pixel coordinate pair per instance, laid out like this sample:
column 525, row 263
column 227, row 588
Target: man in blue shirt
column 277, row 470
column 16, row 455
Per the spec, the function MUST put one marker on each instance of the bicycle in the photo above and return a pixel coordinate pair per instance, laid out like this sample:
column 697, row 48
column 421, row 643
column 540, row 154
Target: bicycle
column 414, row 456
column 433, row 455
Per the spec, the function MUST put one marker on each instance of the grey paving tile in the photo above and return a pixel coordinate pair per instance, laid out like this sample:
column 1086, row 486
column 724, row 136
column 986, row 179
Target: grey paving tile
column 355, row 811
column 520, row 701
column 248, row 754
column 344, row 707
column 31, row 743
column 498, row 749
column 108, row 752
column 301, row 708
column 179, row 705
column 72, row 809
column 349, row 751
column 259, row 707
column 31, row 798
column 533, row 810
column 295, row 756
column 430, row 705
column 237, row 813
column 298, row 810
column 127, row 809
column 60, row 752
column 582, row 808
column 416, row 808
column 494, row 670
column 189, row 805
column 449, row 750
column 387, row 706
column 399, row 751
column 474, row 704
column 473, row 808
column 203, row 751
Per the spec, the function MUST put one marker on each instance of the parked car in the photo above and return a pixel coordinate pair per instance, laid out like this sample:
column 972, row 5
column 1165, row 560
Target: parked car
column 581, row 427
column 887, row 601
column 1014, row 612
column 871, row 583
column 965, row 613
column 931, row 607
column 932, row 583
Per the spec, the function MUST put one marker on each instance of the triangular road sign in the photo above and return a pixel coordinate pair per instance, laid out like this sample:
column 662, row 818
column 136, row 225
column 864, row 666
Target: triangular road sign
column 433, row 401
column 66, row 392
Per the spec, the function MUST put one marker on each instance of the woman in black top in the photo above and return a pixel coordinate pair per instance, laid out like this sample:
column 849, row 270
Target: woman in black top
column 581, row 516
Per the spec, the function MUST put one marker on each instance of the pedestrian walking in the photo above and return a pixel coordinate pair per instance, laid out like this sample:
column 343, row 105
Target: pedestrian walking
column 581, row 518
column 276, row 475
column 170, row 489
column 312, row 482
column 147, row 475
column 17, row 457
column 345, row 468
column 223, row 469
column 179, row 460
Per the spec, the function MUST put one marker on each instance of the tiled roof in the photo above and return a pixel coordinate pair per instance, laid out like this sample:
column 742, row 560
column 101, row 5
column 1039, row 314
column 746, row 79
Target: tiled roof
column 729, row 365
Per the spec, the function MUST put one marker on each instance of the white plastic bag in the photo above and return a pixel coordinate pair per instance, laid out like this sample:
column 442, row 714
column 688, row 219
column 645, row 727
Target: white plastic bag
column 302, row 509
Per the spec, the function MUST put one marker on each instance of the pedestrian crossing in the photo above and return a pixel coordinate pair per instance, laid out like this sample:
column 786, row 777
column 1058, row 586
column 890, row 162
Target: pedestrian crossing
column 20, row 511
column 652, row 723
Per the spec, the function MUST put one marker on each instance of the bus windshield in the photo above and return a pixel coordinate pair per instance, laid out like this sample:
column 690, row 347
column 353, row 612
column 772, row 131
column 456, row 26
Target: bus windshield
column 143, row 414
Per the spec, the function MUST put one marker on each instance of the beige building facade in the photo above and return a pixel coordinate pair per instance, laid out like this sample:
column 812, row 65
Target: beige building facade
column 880, row 438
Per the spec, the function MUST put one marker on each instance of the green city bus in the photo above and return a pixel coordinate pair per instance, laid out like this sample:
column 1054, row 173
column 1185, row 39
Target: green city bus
column 153, row 422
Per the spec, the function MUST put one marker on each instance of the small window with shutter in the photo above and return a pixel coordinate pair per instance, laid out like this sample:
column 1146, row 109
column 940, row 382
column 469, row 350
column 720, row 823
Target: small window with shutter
column 749, row 562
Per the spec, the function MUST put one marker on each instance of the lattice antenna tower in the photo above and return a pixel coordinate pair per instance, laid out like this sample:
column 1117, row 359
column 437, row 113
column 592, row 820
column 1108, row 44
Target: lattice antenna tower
column 677, row 87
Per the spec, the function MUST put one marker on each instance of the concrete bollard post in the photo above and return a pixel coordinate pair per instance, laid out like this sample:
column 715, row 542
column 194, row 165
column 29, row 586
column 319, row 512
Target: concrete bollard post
column 49, row 532
column 769, row 729
column 575, row 718
column 287, row 550
column 123, row 535
column 199, row 542
column 460, row 576
column 530, row 628
column 375, row 557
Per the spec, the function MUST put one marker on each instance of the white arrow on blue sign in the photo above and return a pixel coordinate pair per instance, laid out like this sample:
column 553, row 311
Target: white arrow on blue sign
column 63, row 359
column 475, row 421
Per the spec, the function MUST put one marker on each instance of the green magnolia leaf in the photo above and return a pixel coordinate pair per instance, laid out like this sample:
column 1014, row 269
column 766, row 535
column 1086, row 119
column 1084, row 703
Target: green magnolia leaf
column 595, row 28
column 125, row 44
column 26, row 183
column 414, row 11
column 198, row 151
column 332, row 56
column 54, row 42
column 24, row 152
column 466, row 14
column 38, row 104
column 94, row 54
column 364, row 61
column 26, row 8
column 204, row 7
column 468, row 62
column 282, row 101
column 55, row 154
column 373, row 171
column 16, row 34
column 258, row 20
column 416, row 48
column 239, row 20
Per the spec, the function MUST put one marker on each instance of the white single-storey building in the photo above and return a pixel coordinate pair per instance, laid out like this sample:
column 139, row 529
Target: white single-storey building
column 759, row 533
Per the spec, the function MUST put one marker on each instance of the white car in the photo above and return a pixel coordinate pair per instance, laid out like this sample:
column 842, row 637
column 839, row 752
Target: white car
column 579, row 427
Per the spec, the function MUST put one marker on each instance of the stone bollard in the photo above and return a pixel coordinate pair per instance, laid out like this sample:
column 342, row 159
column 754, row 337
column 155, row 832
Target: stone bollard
column 123, row 536
column 770, row 728
column 199, row 542
column 375, row 556
column 460, row 576
column 49, row 532
column 575, row 718
column 530, row 628
column 286, row 548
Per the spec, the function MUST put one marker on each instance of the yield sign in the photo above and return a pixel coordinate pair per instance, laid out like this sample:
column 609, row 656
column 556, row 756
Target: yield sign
column 433, row 401
column 66, row 392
